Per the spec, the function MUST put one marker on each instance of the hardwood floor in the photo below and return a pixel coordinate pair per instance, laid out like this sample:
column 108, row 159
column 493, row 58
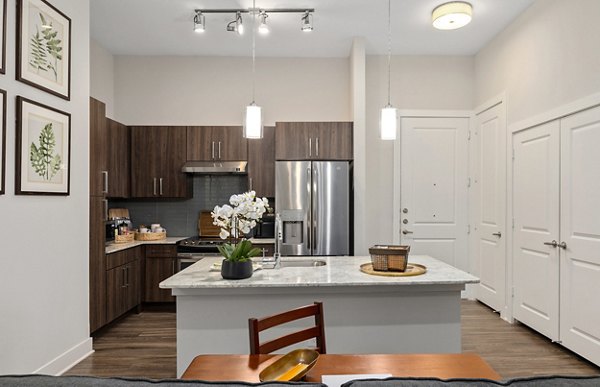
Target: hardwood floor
column 143, row 345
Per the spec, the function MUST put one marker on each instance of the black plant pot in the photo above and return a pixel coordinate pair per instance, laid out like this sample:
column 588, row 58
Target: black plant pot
column 236, row 270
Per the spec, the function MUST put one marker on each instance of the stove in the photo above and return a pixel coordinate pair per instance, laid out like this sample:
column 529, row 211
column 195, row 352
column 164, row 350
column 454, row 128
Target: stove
column 199, row 245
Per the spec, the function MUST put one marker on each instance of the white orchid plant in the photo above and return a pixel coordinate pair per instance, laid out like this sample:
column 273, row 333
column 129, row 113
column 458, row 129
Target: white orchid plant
column 237, row 219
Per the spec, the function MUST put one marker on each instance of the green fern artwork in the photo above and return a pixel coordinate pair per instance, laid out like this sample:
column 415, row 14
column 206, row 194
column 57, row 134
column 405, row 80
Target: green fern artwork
column 44, row 161
column 45, row 48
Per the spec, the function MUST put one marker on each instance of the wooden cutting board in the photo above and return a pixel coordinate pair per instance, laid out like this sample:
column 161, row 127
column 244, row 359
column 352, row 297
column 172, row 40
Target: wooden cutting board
column 206, row 228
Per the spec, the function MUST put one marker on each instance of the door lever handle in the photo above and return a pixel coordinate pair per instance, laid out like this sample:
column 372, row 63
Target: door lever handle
column 563, row 245
column 498, row 234
column 553, row 243
column 406, row 232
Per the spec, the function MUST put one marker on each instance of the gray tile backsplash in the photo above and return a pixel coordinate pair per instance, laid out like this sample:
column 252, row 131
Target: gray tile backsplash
column 180, row 217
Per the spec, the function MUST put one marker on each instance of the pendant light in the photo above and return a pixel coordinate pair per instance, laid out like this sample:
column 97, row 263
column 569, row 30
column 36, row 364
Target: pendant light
column 388, row 118
column 253, row 125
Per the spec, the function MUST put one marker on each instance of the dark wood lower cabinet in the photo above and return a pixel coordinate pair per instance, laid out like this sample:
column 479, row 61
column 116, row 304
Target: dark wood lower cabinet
column 161, row 263
column 122, row 282
column 97, row 262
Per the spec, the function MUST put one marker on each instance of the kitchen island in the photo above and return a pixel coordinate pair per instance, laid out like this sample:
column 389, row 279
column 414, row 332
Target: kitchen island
column 363, row 313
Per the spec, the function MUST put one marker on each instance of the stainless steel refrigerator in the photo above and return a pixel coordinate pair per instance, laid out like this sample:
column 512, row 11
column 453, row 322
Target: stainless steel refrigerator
column 314, row 201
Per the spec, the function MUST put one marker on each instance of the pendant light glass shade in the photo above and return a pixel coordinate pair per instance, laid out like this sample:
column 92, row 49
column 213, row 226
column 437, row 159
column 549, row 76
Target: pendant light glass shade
column 388, row 122
column 253, row 124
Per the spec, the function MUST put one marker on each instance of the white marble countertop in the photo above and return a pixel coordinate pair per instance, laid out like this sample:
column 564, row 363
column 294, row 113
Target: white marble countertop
column 339, row 271
column 114, row 247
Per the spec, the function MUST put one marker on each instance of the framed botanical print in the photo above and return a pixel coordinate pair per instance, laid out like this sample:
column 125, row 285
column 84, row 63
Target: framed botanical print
column 3, row 36
column 2, row 141
column 44, row 47
column 43, row 153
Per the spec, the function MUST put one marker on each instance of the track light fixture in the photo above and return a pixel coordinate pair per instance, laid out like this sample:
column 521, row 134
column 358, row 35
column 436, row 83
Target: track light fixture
column 199, row 22
column 237, row 25
column 307, row 22
column 263, row 28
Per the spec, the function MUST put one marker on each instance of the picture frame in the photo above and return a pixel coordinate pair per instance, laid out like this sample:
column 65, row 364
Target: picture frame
column 3, row 37
column 43, row 149
column 3, row 142
column 44, row 47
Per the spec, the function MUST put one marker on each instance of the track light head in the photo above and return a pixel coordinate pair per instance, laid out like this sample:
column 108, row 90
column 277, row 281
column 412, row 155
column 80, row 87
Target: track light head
column 199, row 22
column 237, row 24
column 263, row 28
column 307, row 22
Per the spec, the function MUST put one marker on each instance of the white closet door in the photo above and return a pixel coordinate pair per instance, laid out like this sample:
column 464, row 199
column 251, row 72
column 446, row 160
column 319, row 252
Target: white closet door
column 535, row 209
column 489, row 212
column 434, row 189
column 580, row 230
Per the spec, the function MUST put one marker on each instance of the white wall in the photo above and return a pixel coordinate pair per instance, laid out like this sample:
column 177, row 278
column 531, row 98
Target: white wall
column 418, row 82
column 164, row 90
column 44, row 239
column 548, row 57
column 102, row 76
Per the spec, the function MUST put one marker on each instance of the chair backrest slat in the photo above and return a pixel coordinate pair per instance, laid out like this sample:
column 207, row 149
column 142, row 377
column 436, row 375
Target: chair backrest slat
column 256, row 325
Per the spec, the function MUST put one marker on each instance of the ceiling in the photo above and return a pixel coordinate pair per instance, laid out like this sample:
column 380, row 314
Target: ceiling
column 165, row 27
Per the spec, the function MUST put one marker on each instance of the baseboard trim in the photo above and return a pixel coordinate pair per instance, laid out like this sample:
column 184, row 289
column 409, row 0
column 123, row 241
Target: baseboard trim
column 65, row 361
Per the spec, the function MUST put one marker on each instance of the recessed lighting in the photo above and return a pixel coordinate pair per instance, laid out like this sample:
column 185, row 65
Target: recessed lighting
column 453, row 15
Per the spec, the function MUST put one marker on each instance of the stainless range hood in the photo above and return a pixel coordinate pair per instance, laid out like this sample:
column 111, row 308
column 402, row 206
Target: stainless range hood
column 215, row 167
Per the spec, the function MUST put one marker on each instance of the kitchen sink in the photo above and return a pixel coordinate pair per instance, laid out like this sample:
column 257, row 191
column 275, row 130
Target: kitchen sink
column 302, row 263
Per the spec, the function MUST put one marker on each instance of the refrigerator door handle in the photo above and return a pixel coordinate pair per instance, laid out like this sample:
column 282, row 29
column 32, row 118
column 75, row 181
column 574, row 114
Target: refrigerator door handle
column 309, row 227
column 315, row 207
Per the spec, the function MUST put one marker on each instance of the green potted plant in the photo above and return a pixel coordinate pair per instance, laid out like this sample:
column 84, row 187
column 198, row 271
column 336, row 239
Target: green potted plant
column 236, row 220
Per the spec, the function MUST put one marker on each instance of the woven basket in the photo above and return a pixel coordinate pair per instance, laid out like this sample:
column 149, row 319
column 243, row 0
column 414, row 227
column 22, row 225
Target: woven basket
column 124, row 238
column 389, row 257
column 150, row 236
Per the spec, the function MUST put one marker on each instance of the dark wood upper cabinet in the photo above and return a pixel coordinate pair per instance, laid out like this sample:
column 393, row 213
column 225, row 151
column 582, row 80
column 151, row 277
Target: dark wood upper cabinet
column 98, row 148
column 118, row 159
column 216, row 143
column 261, row 163
column 313, row 141
column 157, row 155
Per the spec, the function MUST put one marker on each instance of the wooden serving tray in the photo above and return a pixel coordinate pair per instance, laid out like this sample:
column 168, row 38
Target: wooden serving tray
column 412, row 269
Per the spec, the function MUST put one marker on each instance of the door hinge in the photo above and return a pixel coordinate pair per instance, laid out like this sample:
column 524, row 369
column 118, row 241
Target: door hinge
column 513, row 223
column 468, row 229
column 512, row 292
column 513, row 153
column 468, row 182
column 469, row 135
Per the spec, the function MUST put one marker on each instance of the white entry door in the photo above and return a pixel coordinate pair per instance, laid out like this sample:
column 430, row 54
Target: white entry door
column 580, row 230
column 535, row 193
column 434, row 193
column 489, row 207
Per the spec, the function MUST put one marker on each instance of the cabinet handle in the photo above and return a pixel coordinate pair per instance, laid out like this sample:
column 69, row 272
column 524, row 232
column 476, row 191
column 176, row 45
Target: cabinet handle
column 213, row 150
column 563, row 245
column 105, row 182
column 219, row 150
column 105, row 201
column 173, row 263
column 553, row 243
column 317, row 146
column 160, row 190
column 498, row 234
column 154, row 186
column 124, row 281
column 406, row 232
column 250, row 183
column 310, row 147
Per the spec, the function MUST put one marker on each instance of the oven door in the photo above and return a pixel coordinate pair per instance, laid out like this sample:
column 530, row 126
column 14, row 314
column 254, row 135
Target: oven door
column 185, row 260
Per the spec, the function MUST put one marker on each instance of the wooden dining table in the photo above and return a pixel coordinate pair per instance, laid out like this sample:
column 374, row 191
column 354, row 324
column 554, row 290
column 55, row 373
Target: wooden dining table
column 248, row 367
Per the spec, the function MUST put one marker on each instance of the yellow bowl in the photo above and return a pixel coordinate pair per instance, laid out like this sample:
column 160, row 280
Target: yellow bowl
column 290, row 367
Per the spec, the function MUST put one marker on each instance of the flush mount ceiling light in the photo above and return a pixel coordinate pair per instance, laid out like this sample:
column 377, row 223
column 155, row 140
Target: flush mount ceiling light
column 453, row 15
column 388, row 119
column 237, row 25
column 307, row 22
column 199, row 22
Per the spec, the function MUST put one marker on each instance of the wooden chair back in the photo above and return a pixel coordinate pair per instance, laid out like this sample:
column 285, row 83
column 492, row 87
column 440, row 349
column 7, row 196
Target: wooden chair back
column 257, row 325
